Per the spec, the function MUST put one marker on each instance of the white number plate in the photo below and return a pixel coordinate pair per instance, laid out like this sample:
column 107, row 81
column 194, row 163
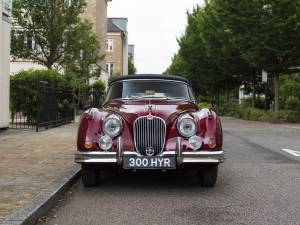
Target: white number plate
column 133, row 162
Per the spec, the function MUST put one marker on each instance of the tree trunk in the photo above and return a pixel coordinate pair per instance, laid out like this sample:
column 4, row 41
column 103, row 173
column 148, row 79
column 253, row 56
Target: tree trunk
column 276, row 91
column 227, row 91
column 218, row 96
column 253, row 93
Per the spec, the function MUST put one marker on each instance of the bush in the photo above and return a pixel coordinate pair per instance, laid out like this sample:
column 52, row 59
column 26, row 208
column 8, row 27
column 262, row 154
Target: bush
column 98, row 86
column 25, row 86
column 204, row 105
column 259, row 102
column 292, row 103
column 235, row 110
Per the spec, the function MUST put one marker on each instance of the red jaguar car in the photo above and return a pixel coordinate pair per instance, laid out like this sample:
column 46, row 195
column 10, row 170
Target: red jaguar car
column 150, row 122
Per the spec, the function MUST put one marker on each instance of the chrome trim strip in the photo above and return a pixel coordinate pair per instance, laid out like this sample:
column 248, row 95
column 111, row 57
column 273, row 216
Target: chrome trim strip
column 120, row 152
column 203, row 157
column 178, row 150
column 201, row 153
column 167, row 153
column 96, row 157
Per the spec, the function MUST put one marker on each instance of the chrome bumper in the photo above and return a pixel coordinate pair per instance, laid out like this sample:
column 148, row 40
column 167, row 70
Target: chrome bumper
column 183, row 158
column 202, row 157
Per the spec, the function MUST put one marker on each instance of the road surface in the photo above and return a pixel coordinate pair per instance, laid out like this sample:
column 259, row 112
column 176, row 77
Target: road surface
column 258, row 184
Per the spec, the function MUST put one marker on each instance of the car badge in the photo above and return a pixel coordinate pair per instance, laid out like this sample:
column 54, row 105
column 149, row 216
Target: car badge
column 150, row 117
column 150, row 151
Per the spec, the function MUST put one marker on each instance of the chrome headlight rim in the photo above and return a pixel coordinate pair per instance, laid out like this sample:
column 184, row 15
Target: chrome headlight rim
column 181, row 120
column 116, row 118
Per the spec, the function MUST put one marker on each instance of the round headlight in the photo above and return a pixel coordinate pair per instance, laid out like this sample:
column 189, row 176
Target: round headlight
column 187, row 126
column 195, row 142
column 112, row 126
column 105, row 143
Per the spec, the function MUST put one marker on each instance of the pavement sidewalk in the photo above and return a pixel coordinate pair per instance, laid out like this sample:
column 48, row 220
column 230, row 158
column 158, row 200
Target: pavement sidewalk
column 31, row 161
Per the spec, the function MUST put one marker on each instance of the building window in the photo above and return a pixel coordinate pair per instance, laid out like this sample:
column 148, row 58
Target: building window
column 110, row 45
column 110, row 68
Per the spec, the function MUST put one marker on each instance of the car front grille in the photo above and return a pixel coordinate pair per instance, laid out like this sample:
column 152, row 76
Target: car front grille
column 149, row 135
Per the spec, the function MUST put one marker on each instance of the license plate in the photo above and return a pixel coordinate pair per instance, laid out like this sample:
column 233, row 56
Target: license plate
column 135, row 162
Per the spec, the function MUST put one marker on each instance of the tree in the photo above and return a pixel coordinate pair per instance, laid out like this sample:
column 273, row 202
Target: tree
column 47, row 23
column 131, row 67
column 229, row 42
column 81, row 57
column 267, row 34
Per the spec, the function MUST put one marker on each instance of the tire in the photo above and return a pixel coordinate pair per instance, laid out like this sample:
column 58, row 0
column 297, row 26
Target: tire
column 208, row 176
column 89, row 177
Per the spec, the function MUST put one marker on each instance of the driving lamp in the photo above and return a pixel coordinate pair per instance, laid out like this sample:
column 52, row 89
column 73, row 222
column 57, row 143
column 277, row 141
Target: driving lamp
column 195, row 142
column 105, row 143
column 112, row 126
column 187, row 126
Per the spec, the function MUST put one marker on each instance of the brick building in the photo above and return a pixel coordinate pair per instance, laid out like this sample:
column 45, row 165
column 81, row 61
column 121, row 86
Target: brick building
column 117, row 46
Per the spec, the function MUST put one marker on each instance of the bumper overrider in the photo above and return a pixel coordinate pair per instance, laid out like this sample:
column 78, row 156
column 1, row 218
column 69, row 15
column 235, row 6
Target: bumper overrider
column 183, row 158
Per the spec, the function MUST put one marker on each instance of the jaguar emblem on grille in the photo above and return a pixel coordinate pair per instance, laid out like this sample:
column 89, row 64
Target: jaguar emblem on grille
column 150, row 151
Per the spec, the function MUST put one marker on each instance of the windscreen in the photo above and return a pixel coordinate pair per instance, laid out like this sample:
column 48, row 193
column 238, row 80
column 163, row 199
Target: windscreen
column 134, row 89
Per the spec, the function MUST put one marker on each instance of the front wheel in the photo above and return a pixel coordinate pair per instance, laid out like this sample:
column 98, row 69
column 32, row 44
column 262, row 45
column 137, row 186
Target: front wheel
column 89, row 176
column 208, row 176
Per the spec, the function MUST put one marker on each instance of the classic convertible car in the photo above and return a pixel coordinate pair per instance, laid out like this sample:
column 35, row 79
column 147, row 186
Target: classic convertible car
column 150, row 122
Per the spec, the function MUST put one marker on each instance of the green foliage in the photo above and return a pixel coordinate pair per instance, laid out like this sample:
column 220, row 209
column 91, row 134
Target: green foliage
column 24, row 90
column 61, row 39
column 259, row 102
column 204, row 105
column 293, row 103
column 131, row 67
column 99, row 86
column 228, row 43
column 235, row 110
column 290, row 86
column 81, row 57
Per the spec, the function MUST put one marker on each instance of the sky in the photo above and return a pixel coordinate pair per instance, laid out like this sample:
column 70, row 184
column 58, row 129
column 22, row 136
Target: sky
column 153, row 26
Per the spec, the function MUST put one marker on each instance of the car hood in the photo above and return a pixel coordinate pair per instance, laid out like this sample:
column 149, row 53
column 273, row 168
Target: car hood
column 130, row 110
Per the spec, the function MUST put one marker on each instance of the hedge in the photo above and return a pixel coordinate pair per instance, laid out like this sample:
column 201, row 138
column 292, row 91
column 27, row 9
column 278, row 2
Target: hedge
column 25, row 86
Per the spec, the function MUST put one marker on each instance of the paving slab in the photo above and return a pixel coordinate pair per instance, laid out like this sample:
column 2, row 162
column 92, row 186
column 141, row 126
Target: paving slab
column 31, row 162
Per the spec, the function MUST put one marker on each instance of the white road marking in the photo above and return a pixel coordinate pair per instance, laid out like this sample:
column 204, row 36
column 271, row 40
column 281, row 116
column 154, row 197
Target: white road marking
column 292, row 152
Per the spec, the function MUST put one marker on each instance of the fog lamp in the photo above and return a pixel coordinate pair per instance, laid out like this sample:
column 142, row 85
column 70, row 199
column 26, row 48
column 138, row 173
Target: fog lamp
column 195, row 142
column 212, row 143
column 105, row 143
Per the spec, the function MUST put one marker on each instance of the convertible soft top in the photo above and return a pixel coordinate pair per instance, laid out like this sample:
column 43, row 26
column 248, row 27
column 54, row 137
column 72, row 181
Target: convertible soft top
column 148, row 76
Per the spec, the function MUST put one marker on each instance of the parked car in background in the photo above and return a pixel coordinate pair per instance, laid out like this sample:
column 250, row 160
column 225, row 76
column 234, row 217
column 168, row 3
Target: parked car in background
column 150, row 122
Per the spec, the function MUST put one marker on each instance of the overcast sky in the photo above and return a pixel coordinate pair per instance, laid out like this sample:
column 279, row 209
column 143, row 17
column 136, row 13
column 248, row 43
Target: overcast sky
column 153, row 26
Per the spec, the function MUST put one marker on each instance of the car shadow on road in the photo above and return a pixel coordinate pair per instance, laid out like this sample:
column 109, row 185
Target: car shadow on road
column 152, row 181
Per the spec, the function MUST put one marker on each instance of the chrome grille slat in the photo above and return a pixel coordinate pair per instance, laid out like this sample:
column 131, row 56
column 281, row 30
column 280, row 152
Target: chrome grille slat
column 149, row 132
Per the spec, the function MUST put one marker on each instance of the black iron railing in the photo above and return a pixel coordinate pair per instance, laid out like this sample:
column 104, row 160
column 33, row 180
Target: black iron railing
column 43, row 104
column 40, row 104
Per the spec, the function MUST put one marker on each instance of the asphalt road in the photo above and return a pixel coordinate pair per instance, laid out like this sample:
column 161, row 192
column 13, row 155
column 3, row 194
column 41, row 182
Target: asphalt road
column 258, row 184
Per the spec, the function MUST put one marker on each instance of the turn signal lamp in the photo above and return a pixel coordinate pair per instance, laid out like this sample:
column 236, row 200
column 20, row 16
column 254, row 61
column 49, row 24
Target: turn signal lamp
column 88, row 145
column 212, row 143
